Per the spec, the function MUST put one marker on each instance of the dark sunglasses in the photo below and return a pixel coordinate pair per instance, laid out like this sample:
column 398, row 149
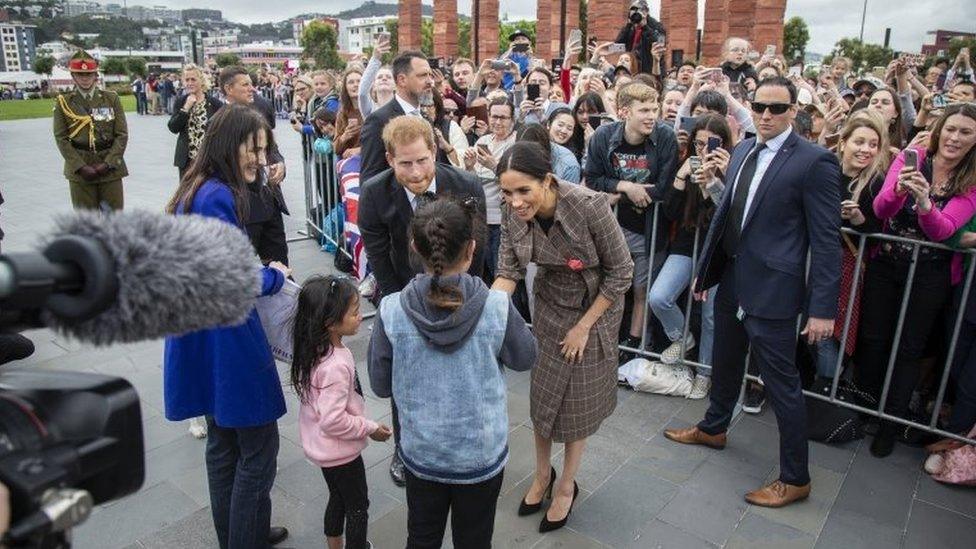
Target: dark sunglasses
column 450, row 112
column 774, row 108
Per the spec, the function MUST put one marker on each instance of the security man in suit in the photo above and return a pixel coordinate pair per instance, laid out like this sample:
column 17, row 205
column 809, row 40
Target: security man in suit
column 780, row 203
column 91, row 133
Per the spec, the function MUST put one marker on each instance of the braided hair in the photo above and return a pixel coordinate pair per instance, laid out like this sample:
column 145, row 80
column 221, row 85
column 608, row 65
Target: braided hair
column 440, row 231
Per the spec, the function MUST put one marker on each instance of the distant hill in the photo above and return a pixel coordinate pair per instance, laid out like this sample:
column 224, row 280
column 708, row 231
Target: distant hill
column 369, row 9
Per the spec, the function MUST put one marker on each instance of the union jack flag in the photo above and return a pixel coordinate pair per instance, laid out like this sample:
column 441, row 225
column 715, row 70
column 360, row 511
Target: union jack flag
column 348, row 169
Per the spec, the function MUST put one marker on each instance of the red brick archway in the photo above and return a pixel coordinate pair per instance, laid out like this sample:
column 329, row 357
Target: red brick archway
column 760, row 21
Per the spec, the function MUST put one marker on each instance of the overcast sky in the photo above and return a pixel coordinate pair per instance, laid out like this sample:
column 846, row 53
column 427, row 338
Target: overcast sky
column 829, row 20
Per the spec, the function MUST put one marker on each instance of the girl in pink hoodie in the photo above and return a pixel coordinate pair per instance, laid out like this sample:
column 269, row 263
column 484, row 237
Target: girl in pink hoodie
column 331, row 423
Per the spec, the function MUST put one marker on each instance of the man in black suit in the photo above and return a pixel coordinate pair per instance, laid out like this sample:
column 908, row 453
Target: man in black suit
column 783, row 201
column 265, row 225
column 414, row 80
column 386, row 206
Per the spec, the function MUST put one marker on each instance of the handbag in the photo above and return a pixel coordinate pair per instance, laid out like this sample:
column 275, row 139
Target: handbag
column 277, row 314
column 654, row 377
column 830, row 423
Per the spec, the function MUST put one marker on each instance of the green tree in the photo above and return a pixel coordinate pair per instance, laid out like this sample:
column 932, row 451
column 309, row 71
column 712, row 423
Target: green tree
column 957, row 44
column 796, row 36
column 114, row 66
column 136, row 66
column 863, row 56
column 464, row 38
column 427, row 37
column 393, row 27
column 507, row 28
column 227, row 60
column 44, row 65
column 321, row 43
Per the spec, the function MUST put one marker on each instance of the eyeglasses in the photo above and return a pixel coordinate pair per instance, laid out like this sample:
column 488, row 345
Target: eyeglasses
column 774, row 108
column 450, row 112
column 864, row 92
column 499, row 118
column 737, row 50
column 699, row 144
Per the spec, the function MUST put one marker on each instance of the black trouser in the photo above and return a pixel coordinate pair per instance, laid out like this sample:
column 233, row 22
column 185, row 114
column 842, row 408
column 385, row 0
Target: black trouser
column 884, row 287
column 472, row 509
column 964, row 380
column 773, row 348
column 348, row 502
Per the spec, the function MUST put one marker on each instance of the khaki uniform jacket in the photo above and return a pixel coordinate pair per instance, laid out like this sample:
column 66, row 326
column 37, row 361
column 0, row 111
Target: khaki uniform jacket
column 111, row 135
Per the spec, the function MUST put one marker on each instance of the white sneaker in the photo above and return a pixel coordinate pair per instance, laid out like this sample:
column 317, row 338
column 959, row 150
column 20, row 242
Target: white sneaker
column 699, row 389
column 368, row 286
column 198, row 427
column 672, row 354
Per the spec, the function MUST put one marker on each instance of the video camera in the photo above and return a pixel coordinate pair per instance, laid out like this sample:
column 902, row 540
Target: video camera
column 68, row 440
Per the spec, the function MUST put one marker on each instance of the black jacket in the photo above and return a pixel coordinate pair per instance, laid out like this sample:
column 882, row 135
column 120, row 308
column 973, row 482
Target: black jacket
column 179, row 124
column 653, row 32
column 384, row 217
column 371, row 139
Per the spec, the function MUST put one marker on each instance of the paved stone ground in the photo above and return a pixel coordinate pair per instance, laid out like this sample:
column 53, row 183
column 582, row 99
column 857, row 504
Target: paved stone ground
column 638, row 489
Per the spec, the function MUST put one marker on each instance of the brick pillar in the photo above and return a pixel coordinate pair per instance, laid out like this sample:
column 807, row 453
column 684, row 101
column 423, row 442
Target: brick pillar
column 445, row 28
column 554, row 44
column 544, row 33
column 408, row 30
column 715, row 30
column 484, row 39
column 680, row 19
column 605, row 18
column 768, row 28
column 742, row 18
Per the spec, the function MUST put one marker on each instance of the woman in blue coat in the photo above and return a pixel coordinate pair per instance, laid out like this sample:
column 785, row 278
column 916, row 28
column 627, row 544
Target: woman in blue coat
column 228, row 374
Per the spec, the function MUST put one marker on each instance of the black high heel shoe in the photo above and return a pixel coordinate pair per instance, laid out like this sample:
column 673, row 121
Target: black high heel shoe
column 526, row 509
column 548, row 526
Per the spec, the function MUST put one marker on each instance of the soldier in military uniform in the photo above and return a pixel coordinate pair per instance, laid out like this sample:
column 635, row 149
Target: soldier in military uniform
column 91, row 133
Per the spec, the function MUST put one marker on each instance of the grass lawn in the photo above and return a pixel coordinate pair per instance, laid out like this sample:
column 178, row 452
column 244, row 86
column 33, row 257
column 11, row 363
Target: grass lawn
column 42, row 108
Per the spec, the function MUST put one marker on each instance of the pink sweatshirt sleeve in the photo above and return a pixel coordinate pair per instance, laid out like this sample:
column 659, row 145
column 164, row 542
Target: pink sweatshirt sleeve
column 335, row 384
column 887, row 203
column 939, row 225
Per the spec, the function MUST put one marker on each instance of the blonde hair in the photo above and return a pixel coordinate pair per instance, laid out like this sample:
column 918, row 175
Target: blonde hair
column 872, row 120
column 635, row 91
column 584, row 76
column 406, row 130
column 201, row 74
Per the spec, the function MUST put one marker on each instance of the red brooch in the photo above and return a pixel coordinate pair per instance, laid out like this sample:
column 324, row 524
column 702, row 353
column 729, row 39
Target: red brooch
column 575, row 264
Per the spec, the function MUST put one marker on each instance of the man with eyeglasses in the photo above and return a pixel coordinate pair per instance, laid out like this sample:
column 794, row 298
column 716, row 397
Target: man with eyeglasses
column 781, row 204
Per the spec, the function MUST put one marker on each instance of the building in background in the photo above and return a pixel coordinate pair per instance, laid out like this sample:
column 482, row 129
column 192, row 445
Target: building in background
column 211, row 42
column 298, row 26
column 73, row 8
column 942, row 39
column 154, row 13
column 196, row 14
column 56, row 49
column 261, row 53
column 359, row 32
column 156, row 61
column 169, row 39
column 19, row 50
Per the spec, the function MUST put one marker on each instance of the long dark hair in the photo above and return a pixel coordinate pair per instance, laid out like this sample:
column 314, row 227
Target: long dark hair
column 697, row 210
column 575, row 143
column 537, row 133
column 322, row 303
column 232, row 126
column 440, row 231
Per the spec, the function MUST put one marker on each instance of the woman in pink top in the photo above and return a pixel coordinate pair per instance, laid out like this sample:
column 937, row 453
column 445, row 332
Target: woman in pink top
column 927, row 202
column 331, row 423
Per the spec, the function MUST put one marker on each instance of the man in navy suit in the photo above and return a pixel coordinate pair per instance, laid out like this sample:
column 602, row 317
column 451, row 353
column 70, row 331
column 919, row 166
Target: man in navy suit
column 414, row 79
column 781, row 201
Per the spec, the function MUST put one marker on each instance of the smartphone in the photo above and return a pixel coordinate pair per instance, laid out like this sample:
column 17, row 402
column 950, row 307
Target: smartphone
column 795, row 71
column 832, row 140
column 499, row 65
column 617, row 48
column 939, row 101
column 695, row 163
column 713, row 143
column 878, row 72
column 484, row 148
column 434, row 62
column 677, row 57
column 479, row 113
column 520, row 48
column 576, row 35
column 911, row 158
column 384, row 36
column 770, row 51
column 557, row 65
column 533, row 91
column 687, row 123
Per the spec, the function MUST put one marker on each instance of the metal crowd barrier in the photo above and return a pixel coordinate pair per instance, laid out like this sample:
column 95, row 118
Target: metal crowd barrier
column 324, row 213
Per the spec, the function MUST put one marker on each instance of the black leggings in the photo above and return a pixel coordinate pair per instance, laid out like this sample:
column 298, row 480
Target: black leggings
column 884, row 286
column 348, row 502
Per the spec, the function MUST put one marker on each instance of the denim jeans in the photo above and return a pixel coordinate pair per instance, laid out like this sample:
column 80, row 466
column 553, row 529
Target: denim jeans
column 827, row 350
column 241, row 467
column 672, row 279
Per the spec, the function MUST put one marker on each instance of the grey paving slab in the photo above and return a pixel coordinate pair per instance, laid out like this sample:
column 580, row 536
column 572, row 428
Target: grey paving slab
column 878, row 489
column 932, row 526
column 836, row 457
column 134, row 517
column 854, row 531
column 757, row 532
column 668, row 459
column 809, row 515
column 606, row 451
column 752, row 448
column 710, row 503
column 194, row 531
column 961, row 499
column 657, row 534
column 617, row 509
column 567, row 539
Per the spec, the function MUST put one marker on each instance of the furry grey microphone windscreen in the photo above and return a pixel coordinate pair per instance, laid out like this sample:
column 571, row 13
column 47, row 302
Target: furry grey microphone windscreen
column 176, row 274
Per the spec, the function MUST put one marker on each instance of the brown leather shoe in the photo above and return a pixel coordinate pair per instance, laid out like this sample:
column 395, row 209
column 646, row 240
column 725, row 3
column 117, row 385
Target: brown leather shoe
column 693, row 435
column 778, row 494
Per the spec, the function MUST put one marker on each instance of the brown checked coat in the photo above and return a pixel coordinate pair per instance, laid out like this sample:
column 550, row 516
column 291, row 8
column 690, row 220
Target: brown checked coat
column 583, row 255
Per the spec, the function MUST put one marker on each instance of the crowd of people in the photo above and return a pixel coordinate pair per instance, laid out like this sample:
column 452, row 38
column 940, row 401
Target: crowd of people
column 804, row 211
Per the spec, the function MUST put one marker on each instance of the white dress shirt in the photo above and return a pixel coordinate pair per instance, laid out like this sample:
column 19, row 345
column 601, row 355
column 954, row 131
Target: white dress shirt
column 762, row 164
column 408, row 109
column 413, row 197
